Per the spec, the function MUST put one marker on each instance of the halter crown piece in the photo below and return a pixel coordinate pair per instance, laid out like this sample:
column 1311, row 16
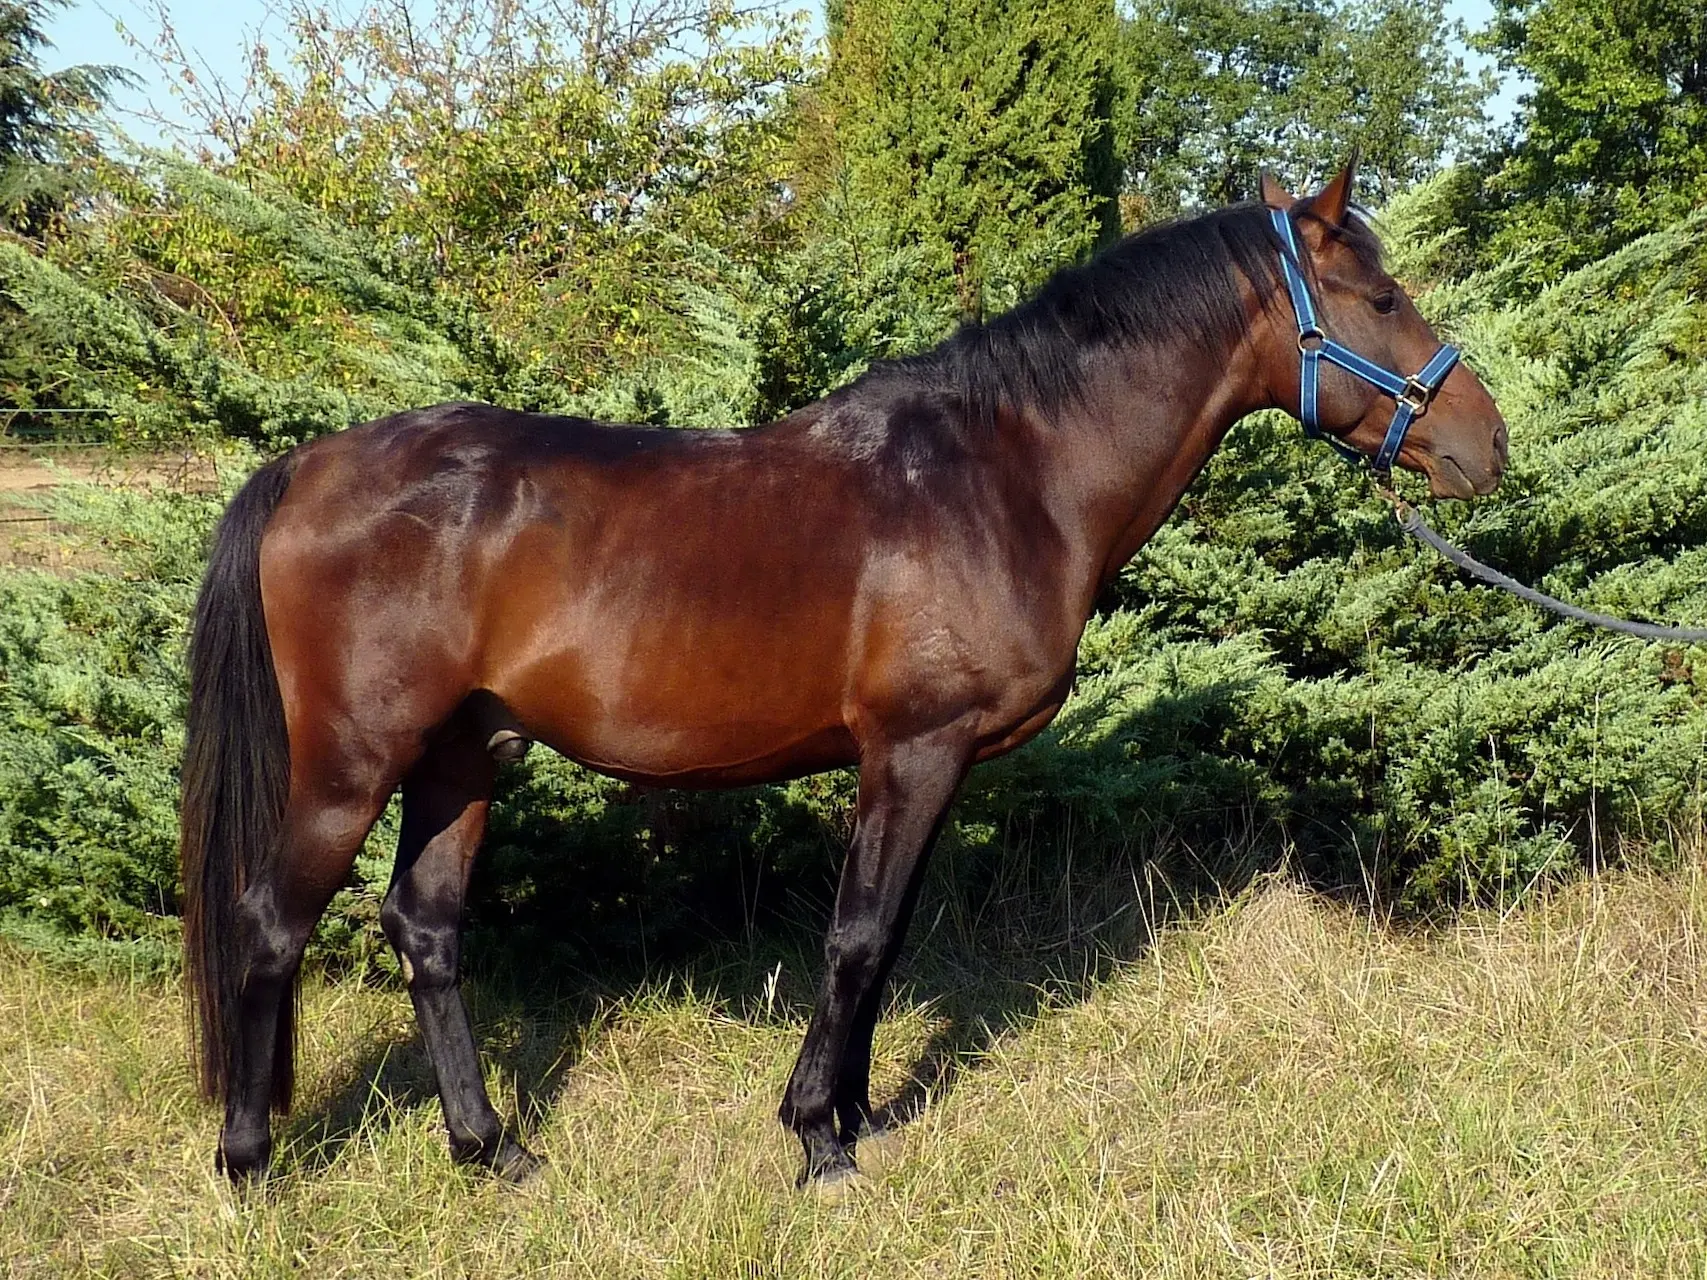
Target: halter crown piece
column 1411, row 396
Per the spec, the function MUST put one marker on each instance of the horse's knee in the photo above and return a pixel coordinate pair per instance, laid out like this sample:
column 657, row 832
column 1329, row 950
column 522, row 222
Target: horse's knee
column 429, row 952
column 852, row 955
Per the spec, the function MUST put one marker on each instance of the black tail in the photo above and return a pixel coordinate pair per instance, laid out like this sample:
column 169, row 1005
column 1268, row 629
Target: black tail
column 235, row 779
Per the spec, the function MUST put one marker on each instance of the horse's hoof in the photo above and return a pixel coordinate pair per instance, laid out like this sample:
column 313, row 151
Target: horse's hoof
column 517, row 1166
column 833, row 1186
column 832, row 1167
column 877, row 1149
column 245, row 1183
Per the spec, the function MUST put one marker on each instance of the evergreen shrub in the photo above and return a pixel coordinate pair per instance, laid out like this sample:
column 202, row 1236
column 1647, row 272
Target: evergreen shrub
column 1278, row 660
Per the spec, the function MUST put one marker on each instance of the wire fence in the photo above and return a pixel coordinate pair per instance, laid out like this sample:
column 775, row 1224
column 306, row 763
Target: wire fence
column 83, row 442
column 29, row 429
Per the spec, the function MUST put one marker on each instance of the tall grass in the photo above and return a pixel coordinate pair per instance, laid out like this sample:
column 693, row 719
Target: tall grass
column 1278, row 1086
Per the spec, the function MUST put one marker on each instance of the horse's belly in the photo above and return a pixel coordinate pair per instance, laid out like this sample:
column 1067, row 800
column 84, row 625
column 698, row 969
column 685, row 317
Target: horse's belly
column 684, row 722
column 724, row 762
column 680, row 752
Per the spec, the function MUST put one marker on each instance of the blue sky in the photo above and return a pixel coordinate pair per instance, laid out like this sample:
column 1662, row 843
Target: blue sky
column 214, row 31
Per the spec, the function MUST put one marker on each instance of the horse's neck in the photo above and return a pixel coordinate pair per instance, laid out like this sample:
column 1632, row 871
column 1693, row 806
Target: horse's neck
column 1148, row 423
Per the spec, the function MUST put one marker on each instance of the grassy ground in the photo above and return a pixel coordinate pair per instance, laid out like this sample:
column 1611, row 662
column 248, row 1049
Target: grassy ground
column 1279, row 1086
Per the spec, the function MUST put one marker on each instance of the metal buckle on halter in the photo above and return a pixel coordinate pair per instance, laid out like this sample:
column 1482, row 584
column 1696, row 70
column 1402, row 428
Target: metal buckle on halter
column 1311, row 340
column 1416, row 396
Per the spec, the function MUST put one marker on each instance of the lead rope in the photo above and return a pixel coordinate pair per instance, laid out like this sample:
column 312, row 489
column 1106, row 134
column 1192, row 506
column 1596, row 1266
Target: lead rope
column 1413, row 523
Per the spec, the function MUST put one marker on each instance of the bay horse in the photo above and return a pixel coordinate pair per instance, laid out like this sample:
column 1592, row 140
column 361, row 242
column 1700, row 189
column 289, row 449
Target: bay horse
column 894, row 578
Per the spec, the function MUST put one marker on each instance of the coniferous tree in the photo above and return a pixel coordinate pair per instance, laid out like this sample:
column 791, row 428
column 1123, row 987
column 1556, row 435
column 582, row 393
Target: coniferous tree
column 1224, row 88
column 976, row 135
column 44, row 117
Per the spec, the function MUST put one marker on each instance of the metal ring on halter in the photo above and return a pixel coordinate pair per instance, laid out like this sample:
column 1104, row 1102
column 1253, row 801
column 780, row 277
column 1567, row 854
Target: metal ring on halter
column 1311, row 340
column 1416, row 395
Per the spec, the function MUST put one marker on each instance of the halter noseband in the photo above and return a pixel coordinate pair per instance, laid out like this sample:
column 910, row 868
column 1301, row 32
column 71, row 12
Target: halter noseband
column 1411, row 395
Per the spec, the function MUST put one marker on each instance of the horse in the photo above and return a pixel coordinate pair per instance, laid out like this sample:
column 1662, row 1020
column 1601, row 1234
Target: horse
column 895, row 578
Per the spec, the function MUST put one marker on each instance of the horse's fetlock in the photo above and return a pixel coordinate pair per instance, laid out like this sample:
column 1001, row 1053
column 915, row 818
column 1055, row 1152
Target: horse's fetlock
column 805, row 1108
column 467, row 1147
column 244, row 1157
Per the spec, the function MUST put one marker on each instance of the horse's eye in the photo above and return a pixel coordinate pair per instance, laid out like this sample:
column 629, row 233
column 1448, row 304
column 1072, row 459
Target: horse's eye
column 1384, row 303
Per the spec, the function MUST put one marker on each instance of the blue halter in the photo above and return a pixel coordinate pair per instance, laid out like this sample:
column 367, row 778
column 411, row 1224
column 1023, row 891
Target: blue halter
column 1411, row 395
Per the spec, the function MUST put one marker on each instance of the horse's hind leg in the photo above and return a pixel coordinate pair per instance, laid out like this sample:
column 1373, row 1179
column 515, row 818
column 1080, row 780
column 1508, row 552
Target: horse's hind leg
column 324, row 826
column 445, row 802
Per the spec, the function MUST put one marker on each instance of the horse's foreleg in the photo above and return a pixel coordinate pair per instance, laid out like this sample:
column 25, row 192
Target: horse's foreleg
column 445, row 802
column 853, row 1085
column 904, row 789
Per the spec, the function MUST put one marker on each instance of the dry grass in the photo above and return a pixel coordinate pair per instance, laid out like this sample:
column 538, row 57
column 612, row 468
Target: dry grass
column 1279, row 1087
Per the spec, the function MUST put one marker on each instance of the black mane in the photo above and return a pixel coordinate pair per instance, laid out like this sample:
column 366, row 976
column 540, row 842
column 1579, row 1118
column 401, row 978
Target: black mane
column 1176, row 280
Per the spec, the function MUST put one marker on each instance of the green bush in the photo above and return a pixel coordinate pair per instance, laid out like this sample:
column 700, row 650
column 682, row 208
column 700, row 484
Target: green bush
column 1278, row 660
column 91, row 718
column 1453, row 739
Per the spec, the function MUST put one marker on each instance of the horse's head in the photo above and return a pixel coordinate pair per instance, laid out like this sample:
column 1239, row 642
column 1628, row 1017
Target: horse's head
column 1456, row 436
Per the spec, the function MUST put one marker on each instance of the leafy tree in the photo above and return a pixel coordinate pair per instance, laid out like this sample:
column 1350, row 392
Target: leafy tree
column 184, row 304
column 1612, row 141
column 1222, row 88
column 44, row 117
column 551, row 166
column 978, row 133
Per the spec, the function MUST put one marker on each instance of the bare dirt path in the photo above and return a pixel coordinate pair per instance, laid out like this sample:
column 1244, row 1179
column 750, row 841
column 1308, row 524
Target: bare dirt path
column 23, row 469
column 19, row 472
column 30, row 538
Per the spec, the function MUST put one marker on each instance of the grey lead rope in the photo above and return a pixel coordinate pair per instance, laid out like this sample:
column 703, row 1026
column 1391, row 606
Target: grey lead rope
column 1412, row 523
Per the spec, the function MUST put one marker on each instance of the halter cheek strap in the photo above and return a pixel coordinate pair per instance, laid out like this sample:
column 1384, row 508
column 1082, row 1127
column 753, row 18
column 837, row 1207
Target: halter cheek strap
column 1411, row 396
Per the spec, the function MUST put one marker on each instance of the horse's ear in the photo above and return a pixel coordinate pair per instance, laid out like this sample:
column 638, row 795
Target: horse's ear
column 1331, row 202
column 1274, row 195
